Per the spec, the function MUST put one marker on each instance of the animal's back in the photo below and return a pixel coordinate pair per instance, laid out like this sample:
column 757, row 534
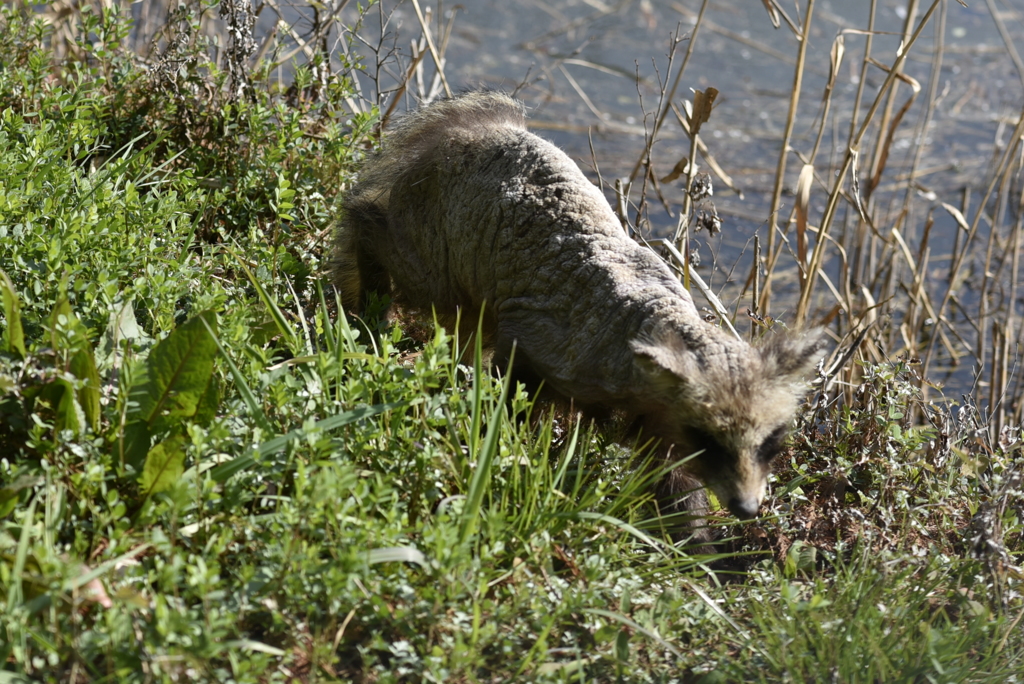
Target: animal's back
column 478, row 209
column 388, row 213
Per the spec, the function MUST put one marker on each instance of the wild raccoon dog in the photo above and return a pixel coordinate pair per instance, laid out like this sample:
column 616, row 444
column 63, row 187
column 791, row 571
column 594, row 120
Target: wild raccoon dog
column 463, row 206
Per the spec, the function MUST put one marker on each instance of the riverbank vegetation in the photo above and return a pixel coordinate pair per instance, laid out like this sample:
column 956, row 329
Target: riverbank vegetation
column 207, row 473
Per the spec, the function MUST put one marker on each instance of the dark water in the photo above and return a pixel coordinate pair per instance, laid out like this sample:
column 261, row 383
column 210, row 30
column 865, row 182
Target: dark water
column 602, row 46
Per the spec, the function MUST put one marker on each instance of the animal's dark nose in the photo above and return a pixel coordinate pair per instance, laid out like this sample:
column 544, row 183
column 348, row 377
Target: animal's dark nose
column 744, row 509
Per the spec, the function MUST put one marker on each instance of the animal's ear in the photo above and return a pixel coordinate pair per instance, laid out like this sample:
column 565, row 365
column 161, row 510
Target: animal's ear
column 792, row 357
column 662, row 363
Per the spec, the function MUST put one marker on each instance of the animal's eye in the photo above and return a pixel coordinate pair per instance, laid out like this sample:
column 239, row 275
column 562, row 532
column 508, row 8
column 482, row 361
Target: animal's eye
column 771, row 446
column 713, row 449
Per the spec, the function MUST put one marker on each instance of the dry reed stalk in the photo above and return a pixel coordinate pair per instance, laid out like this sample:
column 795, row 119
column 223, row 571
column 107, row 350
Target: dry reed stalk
column 1007, row 40
column 836, row 54
column 801, row 205
column 582, row 93
column 860, row 266
column 998, row 378
column 706, row 155
column 622, row 205
column 920, row 306
column 880, row 250
column 930, row 103
column 885, row 142
column 852, row 151
column 1012, row 328
column 698, row 113
column 438, row 60
column 886, row 123
column 664, row 105
column 692, row 276
column 917, row 293
column 922, row 298
column 755, row 276
column 775, row 10
column 780, row 169
column 988, row 273
column 1003, row 324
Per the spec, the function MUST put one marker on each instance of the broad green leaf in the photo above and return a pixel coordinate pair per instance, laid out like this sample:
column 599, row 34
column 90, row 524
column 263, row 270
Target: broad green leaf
column 83, row 366
column 70, row 415
column 622, row 646
column 9, row 494
column 8, row 501
column 801, row 557
column 63, row 333
column 178, row 373
column 135, row 441
column 14, row 336
column 67, row 334
column 165, row 464
column 206, row 409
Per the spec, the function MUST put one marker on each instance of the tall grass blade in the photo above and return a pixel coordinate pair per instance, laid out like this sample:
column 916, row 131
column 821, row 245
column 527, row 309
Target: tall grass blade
column 485, row 457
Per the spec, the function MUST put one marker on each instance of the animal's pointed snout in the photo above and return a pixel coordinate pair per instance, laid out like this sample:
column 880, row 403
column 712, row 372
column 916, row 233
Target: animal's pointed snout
column 744, row 508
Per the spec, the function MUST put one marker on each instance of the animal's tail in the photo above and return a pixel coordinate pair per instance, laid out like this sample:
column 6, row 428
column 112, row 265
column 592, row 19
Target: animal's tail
column 410, row 148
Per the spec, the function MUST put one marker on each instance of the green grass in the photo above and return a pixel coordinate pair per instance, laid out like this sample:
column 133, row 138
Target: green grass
column 207, row 474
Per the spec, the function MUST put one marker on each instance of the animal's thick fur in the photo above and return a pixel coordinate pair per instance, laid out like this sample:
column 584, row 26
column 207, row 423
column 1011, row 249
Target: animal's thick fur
column 463, row 206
